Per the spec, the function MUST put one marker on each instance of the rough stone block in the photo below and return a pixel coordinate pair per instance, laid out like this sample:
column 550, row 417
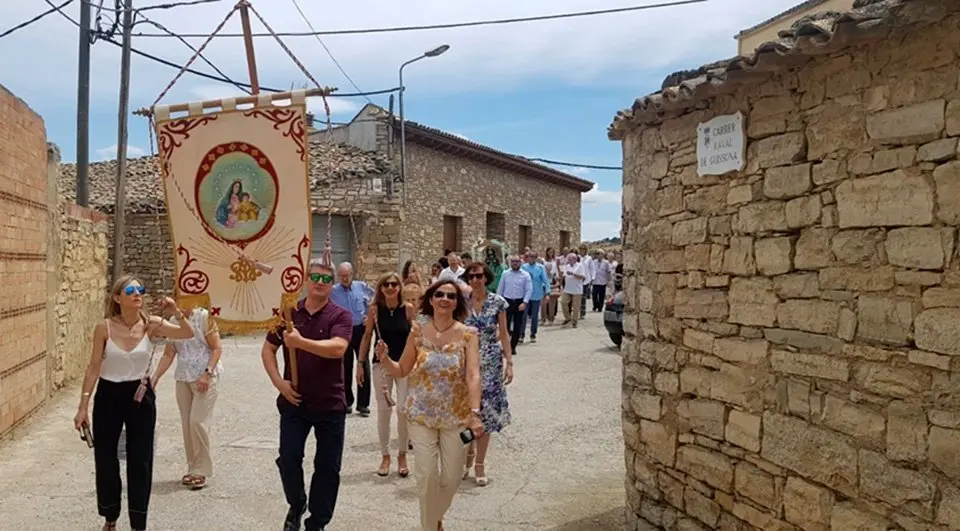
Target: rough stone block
column 787, row 181
column 929, row 359
column 752, row 302
column 764, row 216
column 915, row 248
column 705, row 417
column 906, row 432
column 937, row 330
column 755, row 484
column 852, row 278
column 847, row 517
column 645, row 405
column 700, row 304
column 738, row 259
column 829, row 171
column 690, row 231
column 816, row 453
column 773, row 255
column 886, row 380
column 854, row 420
column 712, row 468
column 739, row 195
column 807, row 505
column 944, row 451
column 660, row 442
column 892, row 199
column 813, row 248
column 921, row 122
column 669, row 200
column 900, row 487
column 803, row 211
column 743, row 430
column 700, row 507
column 847, row 324
column 948, row 512
column 698, row 340
column 918, row 278
column 892, row 159
column 803, row 340
column 812, row 365
column 885, row 319
column 707, row 200
column 809, row 315
column 947, row 179
column 778, row 150
column 857, row 246
column 736, row 350
column 938, row 150
column 797, row 286
column 665, row 262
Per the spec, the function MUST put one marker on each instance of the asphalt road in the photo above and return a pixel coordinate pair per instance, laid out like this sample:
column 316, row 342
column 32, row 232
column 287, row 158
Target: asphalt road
column 559, row 466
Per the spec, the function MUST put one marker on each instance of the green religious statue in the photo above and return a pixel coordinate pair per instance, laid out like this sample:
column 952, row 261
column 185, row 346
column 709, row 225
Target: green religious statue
column 494, row 252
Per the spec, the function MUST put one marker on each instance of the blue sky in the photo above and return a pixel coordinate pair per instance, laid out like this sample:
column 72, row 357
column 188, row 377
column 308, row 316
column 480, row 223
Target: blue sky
column 545, row 89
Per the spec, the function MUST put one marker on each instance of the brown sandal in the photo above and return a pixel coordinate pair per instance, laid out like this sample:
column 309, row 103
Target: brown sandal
column 187, row 479
column 402, row 470
column 107, row 526
column 198, row 482
column 384, row 469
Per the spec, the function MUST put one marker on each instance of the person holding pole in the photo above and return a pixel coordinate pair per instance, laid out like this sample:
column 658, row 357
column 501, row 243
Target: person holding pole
column 315, row 343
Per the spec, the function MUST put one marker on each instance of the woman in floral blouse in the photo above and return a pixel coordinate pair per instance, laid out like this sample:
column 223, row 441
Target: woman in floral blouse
column 442, row 366
column 488, row 314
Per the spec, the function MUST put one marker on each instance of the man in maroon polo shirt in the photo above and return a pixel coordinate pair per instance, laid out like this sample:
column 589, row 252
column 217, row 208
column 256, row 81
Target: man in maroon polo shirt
column 320, row 337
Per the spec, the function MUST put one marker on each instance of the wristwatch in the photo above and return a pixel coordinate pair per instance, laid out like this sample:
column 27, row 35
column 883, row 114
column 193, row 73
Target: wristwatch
column 208, row 371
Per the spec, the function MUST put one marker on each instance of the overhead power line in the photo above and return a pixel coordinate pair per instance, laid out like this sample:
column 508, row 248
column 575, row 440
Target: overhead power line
column 326, row 49
column 575, row 165
column 169, row 5
column 446, row 26
column 26, row 23
column 212, row 77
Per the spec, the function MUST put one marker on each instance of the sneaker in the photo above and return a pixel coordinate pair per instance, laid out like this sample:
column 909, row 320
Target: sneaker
column 363, row 411
column 533, row 340
column 294, row 516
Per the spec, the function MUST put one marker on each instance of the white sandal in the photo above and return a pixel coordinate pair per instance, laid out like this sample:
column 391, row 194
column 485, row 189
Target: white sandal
column 481, row 479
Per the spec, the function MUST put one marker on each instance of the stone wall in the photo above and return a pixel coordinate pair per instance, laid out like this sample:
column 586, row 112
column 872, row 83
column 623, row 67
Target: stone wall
column 443, row 184
column 82, row 292
column 23, row 261
column 147, row 252
column 792, row 329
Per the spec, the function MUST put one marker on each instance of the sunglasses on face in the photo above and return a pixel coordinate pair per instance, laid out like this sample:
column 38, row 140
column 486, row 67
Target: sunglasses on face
column 319, row 277
column 473, row 276
column 391, row 284
column 445, row 295
column 131, row 289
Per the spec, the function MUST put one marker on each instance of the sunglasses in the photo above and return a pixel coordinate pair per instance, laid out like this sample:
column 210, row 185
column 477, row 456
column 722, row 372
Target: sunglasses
column 131, row 289
column 391, row 284
column 472, row 276
column 319, row 277
column 445, row 295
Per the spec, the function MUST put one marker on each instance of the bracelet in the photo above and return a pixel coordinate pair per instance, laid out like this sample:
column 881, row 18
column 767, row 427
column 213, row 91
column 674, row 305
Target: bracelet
column 84, row 394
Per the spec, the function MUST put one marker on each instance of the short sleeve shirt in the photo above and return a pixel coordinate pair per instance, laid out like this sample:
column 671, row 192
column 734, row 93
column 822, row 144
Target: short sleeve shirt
column 320, row 380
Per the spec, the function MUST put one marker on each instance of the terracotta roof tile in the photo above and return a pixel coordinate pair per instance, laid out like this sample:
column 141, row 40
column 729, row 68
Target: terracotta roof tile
column 816, row 34
column 145, row 193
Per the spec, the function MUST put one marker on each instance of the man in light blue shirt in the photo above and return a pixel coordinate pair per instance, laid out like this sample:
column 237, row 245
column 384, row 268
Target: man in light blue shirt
column 354, row 296
column 517, row 287
column 541, row 287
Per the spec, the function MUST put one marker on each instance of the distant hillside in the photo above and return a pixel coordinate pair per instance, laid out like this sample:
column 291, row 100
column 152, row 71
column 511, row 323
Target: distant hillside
column 607, row 244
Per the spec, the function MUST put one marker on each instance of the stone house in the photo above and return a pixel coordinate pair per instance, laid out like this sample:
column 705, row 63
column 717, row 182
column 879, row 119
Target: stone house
column 748, row 40
column 459, row 191
column 791, row 350
column 345, row 183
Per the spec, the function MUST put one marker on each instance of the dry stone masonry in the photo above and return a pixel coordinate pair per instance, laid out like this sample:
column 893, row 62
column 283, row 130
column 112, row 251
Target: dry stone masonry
column 793, row 350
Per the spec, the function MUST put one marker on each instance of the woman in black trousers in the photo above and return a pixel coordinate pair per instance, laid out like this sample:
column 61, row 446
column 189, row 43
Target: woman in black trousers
column 123, row 351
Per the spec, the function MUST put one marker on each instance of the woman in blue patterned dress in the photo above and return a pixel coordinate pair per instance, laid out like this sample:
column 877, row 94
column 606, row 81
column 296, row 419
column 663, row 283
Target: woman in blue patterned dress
column 487, row 313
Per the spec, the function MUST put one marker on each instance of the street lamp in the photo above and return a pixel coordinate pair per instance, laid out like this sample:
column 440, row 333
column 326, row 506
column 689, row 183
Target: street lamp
column 439, row 50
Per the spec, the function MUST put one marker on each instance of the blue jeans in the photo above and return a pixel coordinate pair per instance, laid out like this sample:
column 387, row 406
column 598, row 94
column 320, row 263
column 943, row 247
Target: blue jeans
column 533, row 315
column 328, row 429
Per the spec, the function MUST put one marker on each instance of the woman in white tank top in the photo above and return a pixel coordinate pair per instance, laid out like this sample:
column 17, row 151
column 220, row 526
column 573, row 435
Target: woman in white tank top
column 197, row 374
column 123, row 351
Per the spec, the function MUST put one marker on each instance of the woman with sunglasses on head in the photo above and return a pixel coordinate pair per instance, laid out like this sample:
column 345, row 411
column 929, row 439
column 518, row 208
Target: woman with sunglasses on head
column 390, row 318
column 123, row 350
column 197, row 373
column 487, row 312
column 441, row 358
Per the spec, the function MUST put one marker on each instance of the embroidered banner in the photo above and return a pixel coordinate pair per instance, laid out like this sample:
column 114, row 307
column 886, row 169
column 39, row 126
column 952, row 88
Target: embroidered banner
column 236, row 183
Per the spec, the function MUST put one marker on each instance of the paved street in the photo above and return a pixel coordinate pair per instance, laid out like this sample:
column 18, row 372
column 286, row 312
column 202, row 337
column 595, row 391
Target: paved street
column 559, row 466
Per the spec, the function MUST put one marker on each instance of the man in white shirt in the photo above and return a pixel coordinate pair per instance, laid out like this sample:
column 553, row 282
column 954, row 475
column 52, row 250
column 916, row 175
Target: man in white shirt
column 573, row 280
column 454, row 270
column 589, row 269
column 602, row 272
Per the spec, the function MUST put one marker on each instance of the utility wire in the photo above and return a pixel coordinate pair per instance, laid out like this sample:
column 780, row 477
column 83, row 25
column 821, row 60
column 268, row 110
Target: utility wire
column 212, row 77
column 36, row 18
column 447, row 26
column 326, row 49
column 169, row 5
column 575, row 165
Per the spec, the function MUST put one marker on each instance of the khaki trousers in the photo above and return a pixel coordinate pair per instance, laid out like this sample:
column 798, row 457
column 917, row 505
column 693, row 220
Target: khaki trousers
column 566, row 301
column 436, row 487
column 384, row 412
column 196, row 410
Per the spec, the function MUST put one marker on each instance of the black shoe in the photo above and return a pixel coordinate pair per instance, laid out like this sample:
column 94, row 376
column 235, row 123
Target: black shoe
column 363, row 411
column 349, row 410
column 294, row 516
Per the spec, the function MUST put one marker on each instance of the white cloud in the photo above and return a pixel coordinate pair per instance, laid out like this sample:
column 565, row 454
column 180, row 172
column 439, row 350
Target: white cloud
column 110, row 152
column 596, row 196
column 578, row 171
column 597, row 50
column 465, row 137
column 591, row 231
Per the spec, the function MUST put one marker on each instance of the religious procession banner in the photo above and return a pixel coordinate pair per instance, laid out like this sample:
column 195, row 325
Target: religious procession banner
column 236, row 183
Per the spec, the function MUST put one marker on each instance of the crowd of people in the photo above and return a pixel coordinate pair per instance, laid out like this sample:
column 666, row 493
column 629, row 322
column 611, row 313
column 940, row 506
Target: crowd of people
column 435, row 348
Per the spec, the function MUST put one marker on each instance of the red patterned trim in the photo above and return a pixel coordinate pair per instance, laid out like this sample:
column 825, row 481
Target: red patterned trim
column 291, row 120
column 169, row 132
column 191, row 282
column 292, row 277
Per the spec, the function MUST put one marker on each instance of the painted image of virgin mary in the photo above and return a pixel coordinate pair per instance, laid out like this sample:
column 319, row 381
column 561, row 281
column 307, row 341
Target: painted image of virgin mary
column 226, row 214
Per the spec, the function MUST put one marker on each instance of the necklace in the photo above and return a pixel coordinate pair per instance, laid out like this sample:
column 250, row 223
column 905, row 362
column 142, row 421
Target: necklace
column 440, row 332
